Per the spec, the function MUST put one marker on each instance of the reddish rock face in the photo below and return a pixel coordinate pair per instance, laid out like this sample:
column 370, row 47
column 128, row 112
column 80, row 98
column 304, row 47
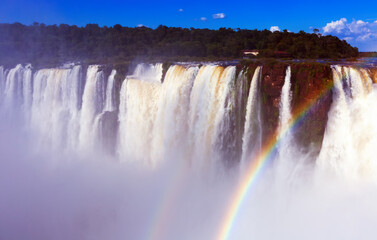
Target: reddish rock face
column 311, row 88
column 312, row 95
column 273, row 79
column 311, row 85
column 273, row 76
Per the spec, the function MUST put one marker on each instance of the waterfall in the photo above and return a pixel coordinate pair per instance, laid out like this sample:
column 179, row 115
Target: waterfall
column 138, row 110
column 27, row 90
column 288, row 155
column 55, row 106
column 17, row 90
column 336, row 153
column 110, row 95
column 148, row 72
column 170, row 127
column 196, row 113
column 122, row 118
column 211, row 88
column 154, row 117
column 92, row 105
column 285, row 101
column 348, row 145
column 251, row 140
column 141, row 110
column 73, row 97
column 202, row 142
column 225, row 133
column 2, row 83
column 200, row 103
column 14, row 89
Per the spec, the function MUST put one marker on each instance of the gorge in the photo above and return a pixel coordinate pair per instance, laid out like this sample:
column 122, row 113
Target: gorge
column 189, row 150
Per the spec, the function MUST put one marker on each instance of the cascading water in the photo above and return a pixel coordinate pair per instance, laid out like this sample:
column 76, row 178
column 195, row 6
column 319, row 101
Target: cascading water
column 252, row 134
column 106, row 122
column 212, row 87
column 137, row 115
column 92, row 105
column 285, row 101
column 170, row 127
column 2, row 83
column 285, row 135
column 122, row 120
column 110, row 95
column 13, row 88
column 196, row 118
column 336, row 152
column 155, row 115
column 225, row 131
column 195, row 101
column 27, row 90
column 148, row 72
column 350, row 133
column 55, row 106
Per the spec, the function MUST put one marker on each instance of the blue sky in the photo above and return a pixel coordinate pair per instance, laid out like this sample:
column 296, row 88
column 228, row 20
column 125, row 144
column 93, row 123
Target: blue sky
column 354, row 21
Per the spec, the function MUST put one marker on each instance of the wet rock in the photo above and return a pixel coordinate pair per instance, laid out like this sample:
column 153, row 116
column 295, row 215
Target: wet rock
column 311, row 85
column 311, row 102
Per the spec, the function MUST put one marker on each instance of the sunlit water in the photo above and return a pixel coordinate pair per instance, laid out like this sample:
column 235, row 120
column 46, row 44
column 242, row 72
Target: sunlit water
column 82, row 159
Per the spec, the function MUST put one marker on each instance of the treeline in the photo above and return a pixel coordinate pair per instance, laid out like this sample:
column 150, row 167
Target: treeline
column 367, row 54
column 41, row 44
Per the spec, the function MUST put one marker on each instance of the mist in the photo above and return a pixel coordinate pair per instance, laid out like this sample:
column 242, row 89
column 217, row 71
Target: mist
column 52, row 192
column 53, row 195
column 49, row 195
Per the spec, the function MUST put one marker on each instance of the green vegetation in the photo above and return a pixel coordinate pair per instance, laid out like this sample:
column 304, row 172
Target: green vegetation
column 52, row 45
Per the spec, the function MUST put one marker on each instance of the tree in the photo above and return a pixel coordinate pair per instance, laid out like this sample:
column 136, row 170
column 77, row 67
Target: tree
column 47, row 45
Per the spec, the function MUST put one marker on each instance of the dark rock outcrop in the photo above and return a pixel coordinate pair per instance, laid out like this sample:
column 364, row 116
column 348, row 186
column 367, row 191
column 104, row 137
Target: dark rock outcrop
column 273, row 74
column 311, row 85
column 311, row 101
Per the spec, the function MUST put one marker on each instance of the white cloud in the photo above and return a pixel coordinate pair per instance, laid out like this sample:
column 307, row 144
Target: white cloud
column 358, row 32
column 365, row 37
column 180, row 10
column 275, row 29
column 140, row 25
column 219, row 16
column 357, row 29
column 335, row 26
column 203, row 18
column 348, row 39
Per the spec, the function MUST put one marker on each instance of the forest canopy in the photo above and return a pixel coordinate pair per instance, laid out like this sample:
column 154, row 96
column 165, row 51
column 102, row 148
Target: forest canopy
column 57, row 44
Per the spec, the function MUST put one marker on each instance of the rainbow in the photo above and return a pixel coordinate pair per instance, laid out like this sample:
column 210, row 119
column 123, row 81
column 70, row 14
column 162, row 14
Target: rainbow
column 159, row 222
column 261, row 160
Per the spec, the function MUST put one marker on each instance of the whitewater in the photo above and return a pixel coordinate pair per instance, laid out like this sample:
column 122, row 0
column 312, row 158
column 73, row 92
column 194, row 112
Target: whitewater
column 162, row 153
